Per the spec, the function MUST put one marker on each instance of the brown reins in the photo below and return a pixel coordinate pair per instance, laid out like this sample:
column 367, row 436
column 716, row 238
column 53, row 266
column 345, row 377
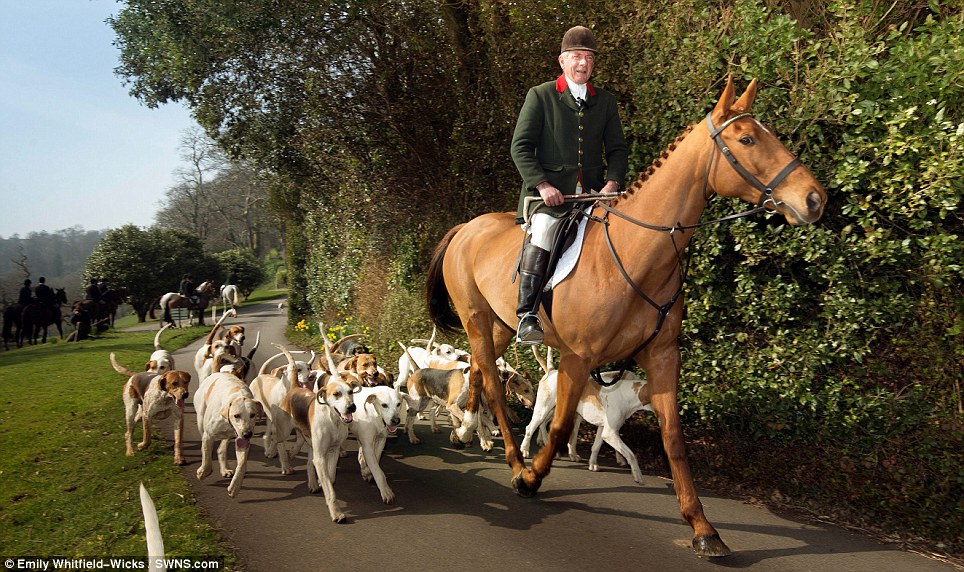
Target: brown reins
column 766, row 204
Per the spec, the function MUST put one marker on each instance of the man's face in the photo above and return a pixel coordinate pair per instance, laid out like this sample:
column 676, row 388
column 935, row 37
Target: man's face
column 577, row 65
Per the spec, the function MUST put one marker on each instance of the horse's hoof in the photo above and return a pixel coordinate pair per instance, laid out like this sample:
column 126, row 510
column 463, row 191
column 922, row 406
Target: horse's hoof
column 711, row 546
column 522, row 489
column 456, row 442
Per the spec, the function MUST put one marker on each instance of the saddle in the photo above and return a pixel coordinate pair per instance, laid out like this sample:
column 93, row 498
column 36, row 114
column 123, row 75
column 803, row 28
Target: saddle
column 564, row 237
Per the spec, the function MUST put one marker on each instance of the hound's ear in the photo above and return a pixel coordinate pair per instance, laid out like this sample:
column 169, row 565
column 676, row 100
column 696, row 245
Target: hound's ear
column 722, row 111
column 150, row 365
column 372, row 398
column 226, row 411
column 411, row 402
column 746, row 100
column 162, row 382
column 256, row 409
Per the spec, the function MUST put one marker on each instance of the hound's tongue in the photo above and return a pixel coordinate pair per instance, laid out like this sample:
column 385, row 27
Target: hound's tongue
column 392, row 429
column 346, row 418
column 240, row 443
column 179, row 403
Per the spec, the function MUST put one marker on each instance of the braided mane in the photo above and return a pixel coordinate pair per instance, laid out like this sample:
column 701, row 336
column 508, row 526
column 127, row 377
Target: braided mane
column 657, row 162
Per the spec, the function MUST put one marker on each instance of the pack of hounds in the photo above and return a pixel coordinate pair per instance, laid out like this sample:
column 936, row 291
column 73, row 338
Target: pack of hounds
column 315, row 401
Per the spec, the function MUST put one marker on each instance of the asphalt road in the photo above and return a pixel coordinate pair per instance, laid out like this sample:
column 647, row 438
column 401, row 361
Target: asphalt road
column 456, row 510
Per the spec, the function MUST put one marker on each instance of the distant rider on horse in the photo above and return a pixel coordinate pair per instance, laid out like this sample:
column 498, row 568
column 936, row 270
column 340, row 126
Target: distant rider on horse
column 187, row 290
column 26, row 295
column 45, row 294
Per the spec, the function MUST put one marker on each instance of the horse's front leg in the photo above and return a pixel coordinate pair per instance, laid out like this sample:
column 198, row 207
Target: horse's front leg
column 663, row 370
column 570, row 384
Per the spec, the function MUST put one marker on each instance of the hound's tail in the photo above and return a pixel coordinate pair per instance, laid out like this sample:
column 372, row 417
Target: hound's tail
column 157, row 336
column 437, row 295
column 119, row 368
column 155, row 542
column 410, row 358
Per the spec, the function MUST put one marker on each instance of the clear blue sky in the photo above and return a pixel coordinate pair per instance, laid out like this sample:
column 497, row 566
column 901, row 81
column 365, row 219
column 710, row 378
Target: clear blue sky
column 75, row 148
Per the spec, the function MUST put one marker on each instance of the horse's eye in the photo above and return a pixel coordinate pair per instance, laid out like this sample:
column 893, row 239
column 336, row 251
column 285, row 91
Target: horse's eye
column 747, row 140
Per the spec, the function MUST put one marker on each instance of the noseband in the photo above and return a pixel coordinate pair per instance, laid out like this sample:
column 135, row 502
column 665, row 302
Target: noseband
column 766, row 191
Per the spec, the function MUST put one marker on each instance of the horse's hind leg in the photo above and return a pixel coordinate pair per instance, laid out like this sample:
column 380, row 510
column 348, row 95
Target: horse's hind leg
column 488, row 338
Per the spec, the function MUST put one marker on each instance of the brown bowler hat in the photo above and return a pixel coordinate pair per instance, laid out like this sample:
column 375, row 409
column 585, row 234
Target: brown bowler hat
column 578, row 38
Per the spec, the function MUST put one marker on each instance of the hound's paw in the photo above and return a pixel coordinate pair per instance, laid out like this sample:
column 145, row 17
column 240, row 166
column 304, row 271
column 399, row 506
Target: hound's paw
column 525, row 453
column 575, row 458
column 313, row 489
column 486, row 445
column 388, row 496
column 413, row 439
column 142, row 445
column 180, row 461
column 339, row 517
column 286, row 471
column 594, row 468
column 620, row 460
column 227, row 474
column 456, row 442
column 203, row 472
column 233, row 492
column 496, row 432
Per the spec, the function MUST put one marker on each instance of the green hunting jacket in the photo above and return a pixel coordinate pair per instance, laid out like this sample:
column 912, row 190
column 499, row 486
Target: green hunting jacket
column 557, row 142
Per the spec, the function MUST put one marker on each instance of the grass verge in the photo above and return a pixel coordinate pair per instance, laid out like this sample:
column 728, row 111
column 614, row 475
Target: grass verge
column 66, row 487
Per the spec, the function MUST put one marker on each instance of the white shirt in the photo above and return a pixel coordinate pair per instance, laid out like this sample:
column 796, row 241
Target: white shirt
column 578, row 89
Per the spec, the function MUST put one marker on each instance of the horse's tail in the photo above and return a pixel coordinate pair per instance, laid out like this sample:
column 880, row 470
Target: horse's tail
column 151, row 313
column 234, row 296
column 437, row 295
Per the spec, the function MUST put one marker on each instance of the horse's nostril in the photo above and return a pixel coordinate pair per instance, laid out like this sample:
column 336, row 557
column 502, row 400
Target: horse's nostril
column 814, row 201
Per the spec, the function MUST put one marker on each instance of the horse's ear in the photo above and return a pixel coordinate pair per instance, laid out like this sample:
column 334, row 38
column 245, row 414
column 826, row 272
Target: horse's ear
column 722, row 110
column 746, row 100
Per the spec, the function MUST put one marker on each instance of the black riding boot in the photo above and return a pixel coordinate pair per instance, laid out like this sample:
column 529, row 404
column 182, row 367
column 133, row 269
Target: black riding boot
column 532, row 272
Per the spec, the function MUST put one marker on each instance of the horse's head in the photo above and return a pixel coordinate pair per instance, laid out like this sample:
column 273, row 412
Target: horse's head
column 60, row 296
column 760, row 169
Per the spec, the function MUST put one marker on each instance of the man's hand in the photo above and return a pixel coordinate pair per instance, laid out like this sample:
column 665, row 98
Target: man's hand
column 551, row 196
column 610, row 187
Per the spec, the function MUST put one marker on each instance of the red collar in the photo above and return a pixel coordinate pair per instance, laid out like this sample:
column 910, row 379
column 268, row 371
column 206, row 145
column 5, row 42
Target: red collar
column 561, row 85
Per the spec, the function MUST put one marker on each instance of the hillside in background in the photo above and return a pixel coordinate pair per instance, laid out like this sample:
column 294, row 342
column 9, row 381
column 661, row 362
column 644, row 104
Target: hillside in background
column 59, row 256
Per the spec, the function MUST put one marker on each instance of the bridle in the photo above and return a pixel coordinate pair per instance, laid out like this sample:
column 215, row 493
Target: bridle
column 767, row 203
column 766, row 191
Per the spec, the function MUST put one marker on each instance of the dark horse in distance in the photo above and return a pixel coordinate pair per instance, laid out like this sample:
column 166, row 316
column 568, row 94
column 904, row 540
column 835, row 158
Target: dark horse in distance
column 104, row 311
column 37, row 316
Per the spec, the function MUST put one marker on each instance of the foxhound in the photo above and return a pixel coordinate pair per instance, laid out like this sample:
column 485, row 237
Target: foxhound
column 226, row 409
column 377, row 414
column 151, row 396
column 269, row 389
column 161, row 360
column 607, row 408
column 322, row 418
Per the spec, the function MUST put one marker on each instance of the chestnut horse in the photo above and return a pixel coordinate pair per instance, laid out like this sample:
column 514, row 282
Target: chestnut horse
column 624, row 297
